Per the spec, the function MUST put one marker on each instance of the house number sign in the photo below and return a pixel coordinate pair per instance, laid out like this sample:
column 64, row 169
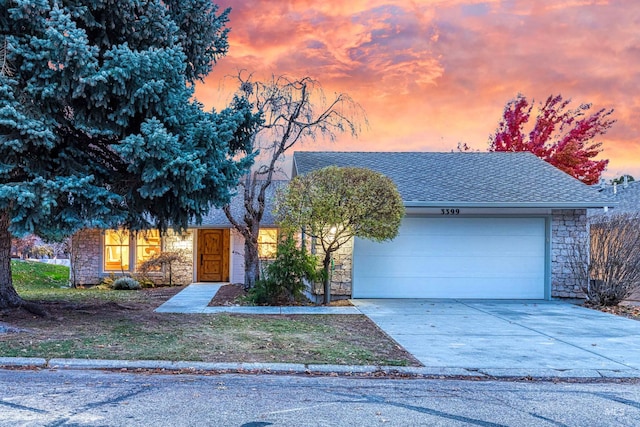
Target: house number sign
column 450, row 211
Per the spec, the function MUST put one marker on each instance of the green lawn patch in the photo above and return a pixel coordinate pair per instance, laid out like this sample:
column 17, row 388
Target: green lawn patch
column 32, row 276
column 107, row 324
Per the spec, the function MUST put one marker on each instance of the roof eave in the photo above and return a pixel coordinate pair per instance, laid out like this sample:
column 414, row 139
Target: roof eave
column 554, row 205
column 294, row 166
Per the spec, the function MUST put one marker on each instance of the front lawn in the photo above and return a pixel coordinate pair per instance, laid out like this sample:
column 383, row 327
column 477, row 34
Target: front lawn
column 106, row 324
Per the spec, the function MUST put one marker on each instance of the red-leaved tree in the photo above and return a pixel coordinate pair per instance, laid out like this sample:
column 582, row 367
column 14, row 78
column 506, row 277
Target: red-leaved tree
column 561, row 136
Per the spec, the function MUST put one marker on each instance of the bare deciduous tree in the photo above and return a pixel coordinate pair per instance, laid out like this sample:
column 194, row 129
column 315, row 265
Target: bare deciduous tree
column 162, row 259
column 609, row 270
column 23, row 247
column 293, row 111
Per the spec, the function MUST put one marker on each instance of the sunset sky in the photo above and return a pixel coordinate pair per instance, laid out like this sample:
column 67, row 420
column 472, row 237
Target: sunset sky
column 432, row 73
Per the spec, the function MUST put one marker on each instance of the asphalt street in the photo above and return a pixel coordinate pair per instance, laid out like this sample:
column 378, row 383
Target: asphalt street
column 97, row 398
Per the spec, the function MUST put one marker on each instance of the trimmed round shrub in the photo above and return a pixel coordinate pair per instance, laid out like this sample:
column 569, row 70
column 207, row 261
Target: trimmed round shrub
column 126, row 284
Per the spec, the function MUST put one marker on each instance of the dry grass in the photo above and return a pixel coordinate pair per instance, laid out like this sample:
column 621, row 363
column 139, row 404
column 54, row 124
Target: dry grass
column 105, row 324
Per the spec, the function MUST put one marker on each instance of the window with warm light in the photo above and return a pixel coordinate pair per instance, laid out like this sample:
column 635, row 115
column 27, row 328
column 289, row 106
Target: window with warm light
column 116, row 250
column 120, row 249
column 267, row 243
column 147, row 245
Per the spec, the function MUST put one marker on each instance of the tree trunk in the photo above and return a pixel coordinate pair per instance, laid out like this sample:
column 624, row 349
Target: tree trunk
column 9, row 298
column 8, row 295
column 249, row 227
column 326, row 263
column 251, row 264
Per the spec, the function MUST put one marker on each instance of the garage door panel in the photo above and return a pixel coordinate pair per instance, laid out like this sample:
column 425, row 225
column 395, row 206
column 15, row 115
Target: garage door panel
column 454, row 258
column 469, row 226
column 440, row 266
column 472, row 288
column 408, row 245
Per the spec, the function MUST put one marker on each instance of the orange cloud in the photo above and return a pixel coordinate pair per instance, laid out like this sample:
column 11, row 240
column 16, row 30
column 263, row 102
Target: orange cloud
column 433, row 73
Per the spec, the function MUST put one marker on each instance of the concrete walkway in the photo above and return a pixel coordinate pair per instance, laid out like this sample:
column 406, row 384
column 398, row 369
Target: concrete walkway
column 196, row 297
column 536, row 338
column 475, row 338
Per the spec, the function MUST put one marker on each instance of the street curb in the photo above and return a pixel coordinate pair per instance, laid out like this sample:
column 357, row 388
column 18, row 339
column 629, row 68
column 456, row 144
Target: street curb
column 297, row 368
column 23, row 362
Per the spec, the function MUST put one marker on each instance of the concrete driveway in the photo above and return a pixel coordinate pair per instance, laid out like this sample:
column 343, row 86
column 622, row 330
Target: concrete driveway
column 522, row 337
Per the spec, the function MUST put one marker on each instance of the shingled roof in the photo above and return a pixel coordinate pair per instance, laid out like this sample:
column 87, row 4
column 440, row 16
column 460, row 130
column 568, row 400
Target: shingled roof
column 217, row 218
column 627, row 198
column 489, row 179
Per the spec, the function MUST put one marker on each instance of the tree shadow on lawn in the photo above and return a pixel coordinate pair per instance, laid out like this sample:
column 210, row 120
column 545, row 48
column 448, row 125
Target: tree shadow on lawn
column 127, row 328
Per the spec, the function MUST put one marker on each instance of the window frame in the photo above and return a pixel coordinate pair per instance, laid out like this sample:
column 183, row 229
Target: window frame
column 132, row 246
column 143, row 235
column 123, row 244
column 273, row 244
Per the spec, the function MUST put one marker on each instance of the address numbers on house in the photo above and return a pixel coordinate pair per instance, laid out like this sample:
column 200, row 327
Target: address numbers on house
column 453, row 211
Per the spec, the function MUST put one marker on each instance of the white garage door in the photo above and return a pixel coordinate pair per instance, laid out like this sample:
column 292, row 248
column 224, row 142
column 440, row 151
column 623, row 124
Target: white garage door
column 454, row 258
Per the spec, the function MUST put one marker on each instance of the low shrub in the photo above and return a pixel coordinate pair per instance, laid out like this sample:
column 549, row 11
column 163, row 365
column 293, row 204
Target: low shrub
column 126, row 284
column 609, row 271
column 284, row 278
column 145, row 281
column 107, row 281
column 265, row 292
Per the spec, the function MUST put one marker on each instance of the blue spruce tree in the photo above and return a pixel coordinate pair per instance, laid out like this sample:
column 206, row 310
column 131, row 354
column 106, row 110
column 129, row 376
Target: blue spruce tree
column 98, row 125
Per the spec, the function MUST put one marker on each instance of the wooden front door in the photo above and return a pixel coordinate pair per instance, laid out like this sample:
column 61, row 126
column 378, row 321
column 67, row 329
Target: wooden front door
column 213, row 255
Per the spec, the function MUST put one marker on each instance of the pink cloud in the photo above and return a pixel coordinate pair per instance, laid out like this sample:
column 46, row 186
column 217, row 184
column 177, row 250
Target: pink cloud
column 430, row 74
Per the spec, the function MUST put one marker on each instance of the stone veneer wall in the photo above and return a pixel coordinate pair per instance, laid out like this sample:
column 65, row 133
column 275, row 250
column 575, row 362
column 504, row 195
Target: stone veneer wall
column 181, row 272
column 568, row 228
column 85, row 257
column 86, row 263
column 341, row 274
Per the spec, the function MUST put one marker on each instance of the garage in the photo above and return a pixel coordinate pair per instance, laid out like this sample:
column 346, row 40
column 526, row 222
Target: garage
column 494, row 225
column 454, row 257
